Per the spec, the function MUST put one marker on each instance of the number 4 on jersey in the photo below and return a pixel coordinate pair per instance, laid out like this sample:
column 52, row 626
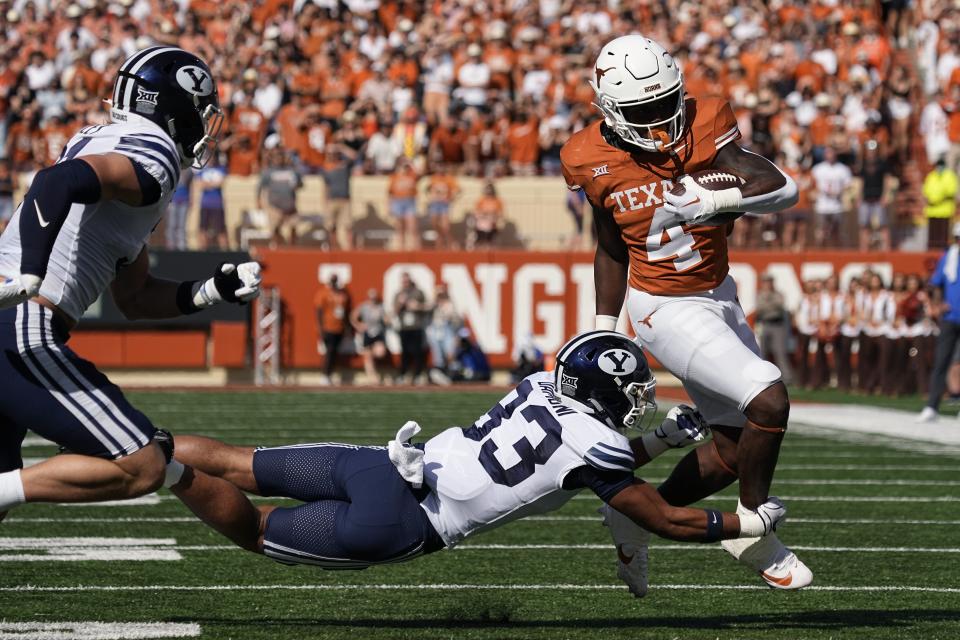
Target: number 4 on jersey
column 678, row 248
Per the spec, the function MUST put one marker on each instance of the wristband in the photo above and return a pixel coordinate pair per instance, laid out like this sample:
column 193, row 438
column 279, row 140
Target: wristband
column 728, row 199
column 714, row 525
column 605, row 323
column 206, row 294
column 653, row 445
column 185, row 297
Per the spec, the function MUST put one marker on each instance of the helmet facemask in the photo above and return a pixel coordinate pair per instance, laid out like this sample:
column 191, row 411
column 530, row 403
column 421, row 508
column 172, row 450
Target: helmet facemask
column 642, row 395
column 206, row 147
column 652, row 124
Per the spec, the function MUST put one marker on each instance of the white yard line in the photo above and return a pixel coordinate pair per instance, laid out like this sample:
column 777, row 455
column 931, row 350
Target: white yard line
column 87, row 549
column 788, row 499
column 13, row 520
column 792, row 521
column 553, row 547
column 89, row 630
column 55, row 547
column 458, row 587
column 693, row 547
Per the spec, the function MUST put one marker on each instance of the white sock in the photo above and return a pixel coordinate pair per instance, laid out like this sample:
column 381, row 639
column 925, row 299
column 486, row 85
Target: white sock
column 11, row 490
column 175, row 472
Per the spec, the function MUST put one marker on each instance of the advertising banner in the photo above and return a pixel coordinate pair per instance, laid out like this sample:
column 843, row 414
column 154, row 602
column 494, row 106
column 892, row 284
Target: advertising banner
column 505, row 296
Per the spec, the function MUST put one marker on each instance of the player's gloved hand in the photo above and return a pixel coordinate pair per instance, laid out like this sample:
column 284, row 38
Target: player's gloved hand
column 762, row 521
column 682, row 427
column 696, row 204
column 632, row 542
column 407, row 458
column 15, row 291
column 234, row 283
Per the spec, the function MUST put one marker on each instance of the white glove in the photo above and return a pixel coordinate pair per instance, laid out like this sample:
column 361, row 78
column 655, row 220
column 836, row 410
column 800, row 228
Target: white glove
column 238, row 284
column 698, row 204
column 632, row 542
column 682, row 427
column 13, row 292
column 762, row 521
column 405, row 457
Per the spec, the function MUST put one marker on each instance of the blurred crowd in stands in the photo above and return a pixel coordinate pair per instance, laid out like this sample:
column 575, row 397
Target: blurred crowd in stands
column 854, row 98
column 874, row 336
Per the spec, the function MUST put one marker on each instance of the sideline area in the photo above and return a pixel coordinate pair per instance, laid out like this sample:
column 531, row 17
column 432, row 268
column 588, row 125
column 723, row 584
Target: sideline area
column 888, row 424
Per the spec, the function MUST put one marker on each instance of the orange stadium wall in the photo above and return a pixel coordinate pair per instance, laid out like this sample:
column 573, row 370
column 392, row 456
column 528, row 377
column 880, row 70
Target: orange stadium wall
column 505, row 295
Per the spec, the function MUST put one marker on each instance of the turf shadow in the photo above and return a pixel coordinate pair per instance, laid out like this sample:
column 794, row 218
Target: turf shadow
column 810, row 620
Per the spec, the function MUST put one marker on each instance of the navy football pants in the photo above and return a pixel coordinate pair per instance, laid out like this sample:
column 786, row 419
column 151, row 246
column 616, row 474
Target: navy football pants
column 359, row 510
column 52, row 391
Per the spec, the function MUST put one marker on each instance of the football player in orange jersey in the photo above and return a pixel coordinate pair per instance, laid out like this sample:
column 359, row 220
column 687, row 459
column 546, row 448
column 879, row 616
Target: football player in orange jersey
column 671, row 250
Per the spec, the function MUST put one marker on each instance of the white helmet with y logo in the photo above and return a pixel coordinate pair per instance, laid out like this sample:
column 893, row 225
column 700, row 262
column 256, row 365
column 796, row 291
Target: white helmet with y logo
column 639, row 89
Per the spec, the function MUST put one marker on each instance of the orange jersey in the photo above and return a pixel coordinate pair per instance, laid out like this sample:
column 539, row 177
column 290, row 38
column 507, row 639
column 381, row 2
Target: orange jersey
column 665, row 258
column 334, row 308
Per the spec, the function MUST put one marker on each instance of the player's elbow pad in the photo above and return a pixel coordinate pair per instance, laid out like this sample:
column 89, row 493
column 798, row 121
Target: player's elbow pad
column 777, row 200
column 46, row 206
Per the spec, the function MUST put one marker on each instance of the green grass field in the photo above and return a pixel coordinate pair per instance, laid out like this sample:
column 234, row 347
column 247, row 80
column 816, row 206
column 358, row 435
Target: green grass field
column 878, row 526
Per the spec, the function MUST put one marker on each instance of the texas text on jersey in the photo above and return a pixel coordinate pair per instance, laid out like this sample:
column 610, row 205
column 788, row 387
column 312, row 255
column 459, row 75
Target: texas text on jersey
column 666, row 258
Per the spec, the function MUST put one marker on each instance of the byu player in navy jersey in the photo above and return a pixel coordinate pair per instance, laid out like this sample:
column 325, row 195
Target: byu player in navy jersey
column 83, row 227
column 552, row 436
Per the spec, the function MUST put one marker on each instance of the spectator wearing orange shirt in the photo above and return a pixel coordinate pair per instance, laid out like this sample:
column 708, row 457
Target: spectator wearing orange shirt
column 20, row 140
column 248, row 119
column 523, row 144
column 315, row 137
column 333, row 304
column 289, row 121
column 487, row 216
column 54, row 135
column 403, row 204
column 441, row 191
column 447, row 143
column 242, row 156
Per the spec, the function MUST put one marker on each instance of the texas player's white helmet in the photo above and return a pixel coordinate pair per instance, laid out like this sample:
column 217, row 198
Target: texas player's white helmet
column 639, row 89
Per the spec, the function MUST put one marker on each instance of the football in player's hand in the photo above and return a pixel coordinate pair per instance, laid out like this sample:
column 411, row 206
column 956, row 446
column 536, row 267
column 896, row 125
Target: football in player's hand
column 713, row 180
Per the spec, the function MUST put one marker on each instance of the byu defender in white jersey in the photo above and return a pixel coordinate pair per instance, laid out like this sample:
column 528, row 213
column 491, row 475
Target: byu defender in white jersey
column 551, row 437
column 83, row 226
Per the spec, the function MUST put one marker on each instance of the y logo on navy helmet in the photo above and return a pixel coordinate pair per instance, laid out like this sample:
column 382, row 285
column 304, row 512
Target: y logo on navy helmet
column 617, row 362
column 195, row 80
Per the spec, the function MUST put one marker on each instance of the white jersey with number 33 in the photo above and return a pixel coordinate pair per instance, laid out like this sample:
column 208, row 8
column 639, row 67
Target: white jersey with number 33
column 97, row 239
column 513, row 461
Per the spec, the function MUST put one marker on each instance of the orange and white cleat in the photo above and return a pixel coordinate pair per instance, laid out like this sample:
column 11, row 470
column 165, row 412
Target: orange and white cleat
column 779, row 567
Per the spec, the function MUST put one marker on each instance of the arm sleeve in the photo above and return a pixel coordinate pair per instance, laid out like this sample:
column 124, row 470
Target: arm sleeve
column 45, row 208
column 605, row 484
